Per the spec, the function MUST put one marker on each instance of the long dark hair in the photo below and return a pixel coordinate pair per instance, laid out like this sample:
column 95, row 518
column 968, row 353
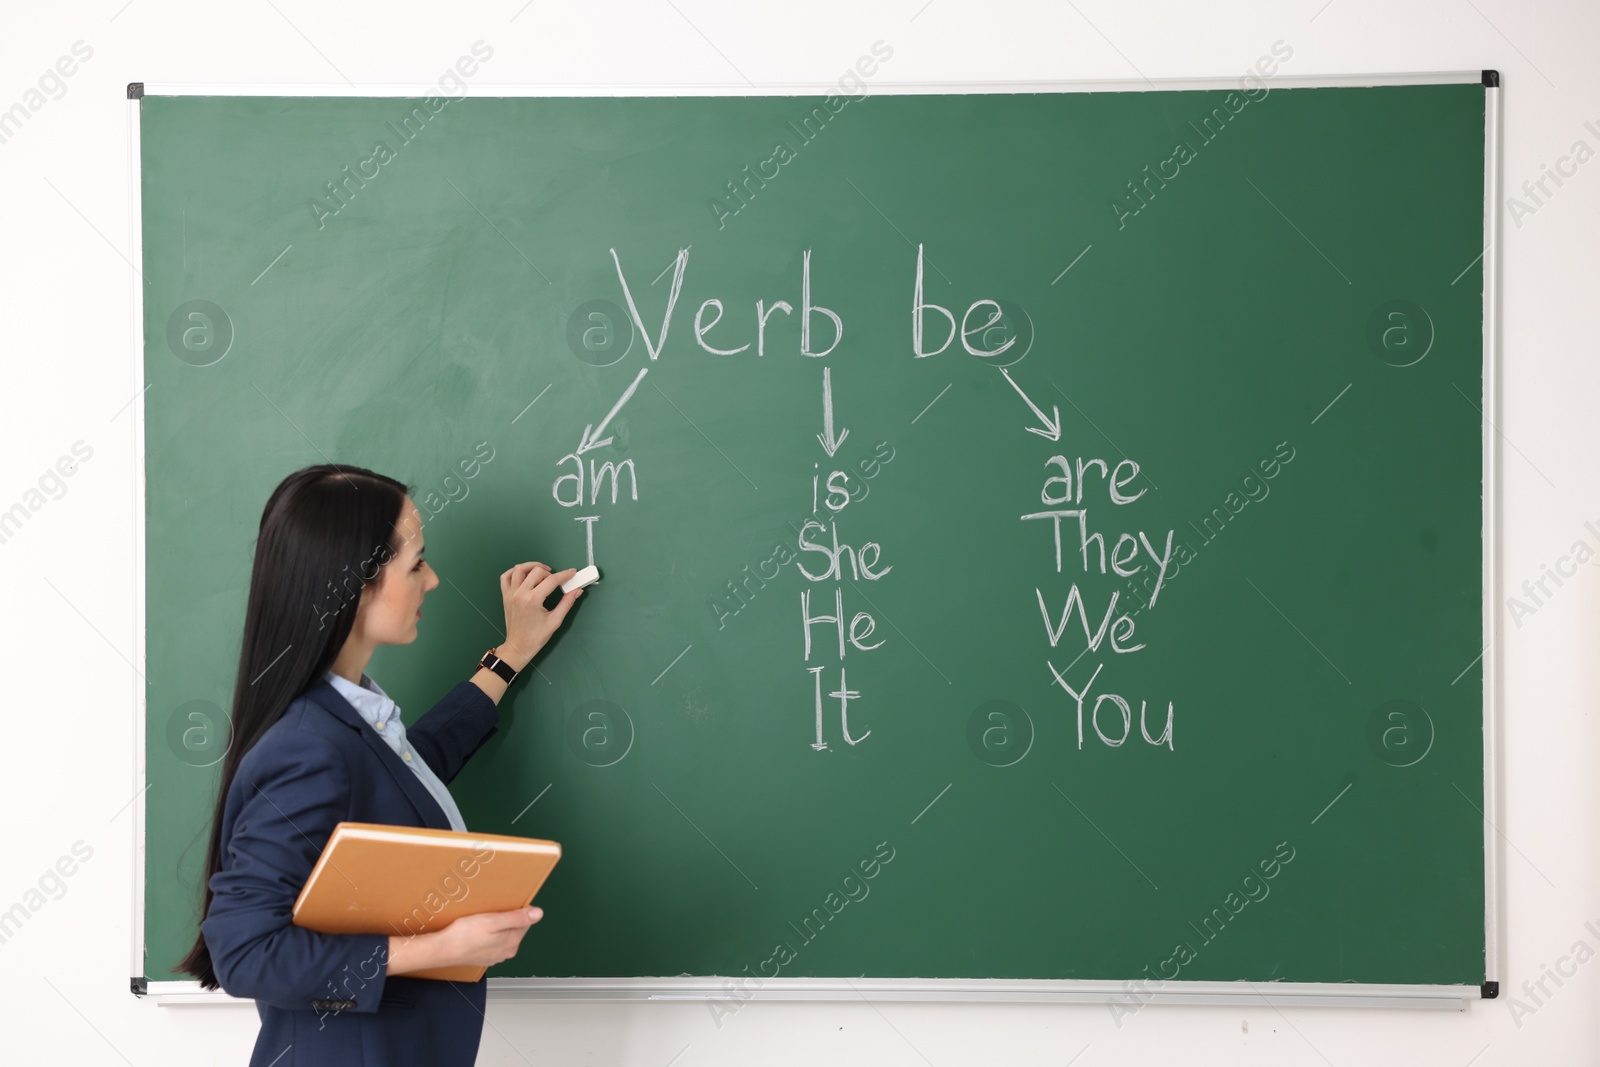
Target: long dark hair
column 325, row 533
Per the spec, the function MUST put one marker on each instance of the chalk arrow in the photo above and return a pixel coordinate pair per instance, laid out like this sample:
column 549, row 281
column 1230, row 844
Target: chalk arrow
column 591, row 435
column 1052, row 426
column 830, row 443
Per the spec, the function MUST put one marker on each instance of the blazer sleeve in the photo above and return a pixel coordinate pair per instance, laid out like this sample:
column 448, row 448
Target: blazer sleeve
column 280, row 815
column 454, row 729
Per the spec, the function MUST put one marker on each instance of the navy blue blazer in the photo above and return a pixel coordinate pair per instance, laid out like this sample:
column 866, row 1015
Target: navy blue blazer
column 325, row 999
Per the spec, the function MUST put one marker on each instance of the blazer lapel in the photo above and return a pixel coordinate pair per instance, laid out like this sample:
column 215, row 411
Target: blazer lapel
column 324, row 695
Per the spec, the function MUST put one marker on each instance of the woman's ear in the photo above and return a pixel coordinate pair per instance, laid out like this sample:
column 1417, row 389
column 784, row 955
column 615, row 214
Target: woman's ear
column 369, row 590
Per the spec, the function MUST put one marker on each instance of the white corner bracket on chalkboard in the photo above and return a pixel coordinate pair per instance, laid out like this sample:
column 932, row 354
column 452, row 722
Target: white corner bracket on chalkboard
column 714, row 988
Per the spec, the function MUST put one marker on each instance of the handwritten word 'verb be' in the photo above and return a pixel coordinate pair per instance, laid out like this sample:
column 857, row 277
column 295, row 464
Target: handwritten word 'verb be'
column 817, row 322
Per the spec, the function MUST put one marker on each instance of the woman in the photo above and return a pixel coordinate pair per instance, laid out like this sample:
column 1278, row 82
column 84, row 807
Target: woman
column 338, row 571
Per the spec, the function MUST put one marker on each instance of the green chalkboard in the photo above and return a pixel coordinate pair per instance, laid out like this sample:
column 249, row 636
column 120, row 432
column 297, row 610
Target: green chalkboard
column 1248, row 322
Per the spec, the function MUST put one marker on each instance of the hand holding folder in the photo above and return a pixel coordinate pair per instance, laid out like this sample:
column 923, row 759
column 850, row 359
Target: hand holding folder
column 403, row 881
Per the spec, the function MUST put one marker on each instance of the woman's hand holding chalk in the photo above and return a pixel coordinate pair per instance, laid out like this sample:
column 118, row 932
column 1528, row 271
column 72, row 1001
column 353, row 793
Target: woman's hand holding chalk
column 525, row 588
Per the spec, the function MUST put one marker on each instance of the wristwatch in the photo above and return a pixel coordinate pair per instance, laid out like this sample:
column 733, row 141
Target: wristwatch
column 498, row 665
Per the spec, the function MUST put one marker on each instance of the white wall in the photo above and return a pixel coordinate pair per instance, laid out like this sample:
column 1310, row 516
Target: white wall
column 64, row 228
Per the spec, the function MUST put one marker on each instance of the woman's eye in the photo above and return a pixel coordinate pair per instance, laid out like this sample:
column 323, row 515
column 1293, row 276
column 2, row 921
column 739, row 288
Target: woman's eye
column 418, row 567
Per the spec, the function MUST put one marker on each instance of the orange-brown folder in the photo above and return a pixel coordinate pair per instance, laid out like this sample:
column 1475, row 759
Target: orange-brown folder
column 405, row 880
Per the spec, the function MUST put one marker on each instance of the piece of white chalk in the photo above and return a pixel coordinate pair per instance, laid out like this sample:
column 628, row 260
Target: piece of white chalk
column 586, row 576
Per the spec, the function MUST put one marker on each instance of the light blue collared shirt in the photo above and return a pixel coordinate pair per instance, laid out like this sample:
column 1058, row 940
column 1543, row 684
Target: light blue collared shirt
column 383, row 714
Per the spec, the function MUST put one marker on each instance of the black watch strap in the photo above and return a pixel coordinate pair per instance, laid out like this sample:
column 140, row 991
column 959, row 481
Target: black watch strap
column 499, row 666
